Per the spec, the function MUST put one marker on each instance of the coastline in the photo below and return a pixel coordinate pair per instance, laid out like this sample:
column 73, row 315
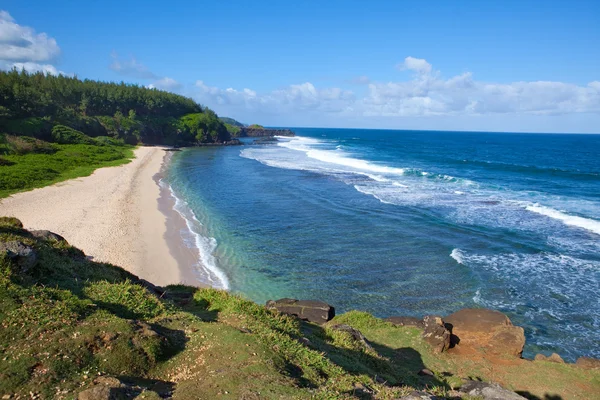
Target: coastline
column 116, row 215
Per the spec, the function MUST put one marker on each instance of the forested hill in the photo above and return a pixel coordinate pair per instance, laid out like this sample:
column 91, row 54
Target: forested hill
column 36, row 104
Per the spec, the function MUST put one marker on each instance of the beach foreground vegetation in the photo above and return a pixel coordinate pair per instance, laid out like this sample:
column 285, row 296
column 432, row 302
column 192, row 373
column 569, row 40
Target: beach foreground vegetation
column 71, row 325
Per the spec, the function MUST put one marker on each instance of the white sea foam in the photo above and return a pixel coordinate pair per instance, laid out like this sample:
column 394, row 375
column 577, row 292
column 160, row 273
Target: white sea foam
column 457, row 254
column 203, row 244
column 573, row 220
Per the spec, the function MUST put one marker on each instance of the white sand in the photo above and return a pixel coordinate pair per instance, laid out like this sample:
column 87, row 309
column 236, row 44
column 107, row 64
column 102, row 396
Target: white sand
column 111, row 215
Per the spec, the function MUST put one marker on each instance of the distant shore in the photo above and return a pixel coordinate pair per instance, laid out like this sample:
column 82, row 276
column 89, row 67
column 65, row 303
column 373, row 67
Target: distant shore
column 116, row 215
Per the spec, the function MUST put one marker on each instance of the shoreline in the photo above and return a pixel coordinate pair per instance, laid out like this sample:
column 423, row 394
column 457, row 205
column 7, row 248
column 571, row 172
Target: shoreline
column 175, row 224
column 196, row 261
column 116, row 215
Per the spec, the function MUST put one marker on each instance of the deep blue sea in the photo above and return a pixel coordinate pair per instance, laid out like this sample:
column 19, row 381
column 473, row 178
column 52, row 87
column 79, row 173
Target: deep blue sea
column 407, row 223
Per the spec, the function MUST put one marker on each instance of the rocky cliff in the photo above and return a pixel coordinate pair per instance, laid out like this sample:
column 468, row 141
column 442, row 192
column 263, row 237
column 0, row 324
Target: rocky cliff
column 258, row 132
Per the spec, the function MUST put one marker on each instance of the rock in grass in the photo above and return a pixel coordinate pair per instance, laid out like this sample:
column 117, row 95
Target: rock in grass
column 308, row 310
column 105, row 388
column 552, row 358
column 405, row 321
column 47, row 235
column 355, row 335
column 23, row 256
column 489, row 329
column 419, row 395
column 488, row 391
column 587, row 363
column 435, row 333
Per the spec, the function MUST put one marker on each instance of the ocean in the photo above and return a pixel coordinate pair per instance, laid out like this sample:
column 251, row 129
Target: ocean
column 406, row 223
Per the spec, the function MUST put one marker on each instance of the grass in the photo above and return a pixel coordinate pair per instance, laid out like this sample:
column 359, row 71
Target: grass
column 28, row 163
column 69, row 320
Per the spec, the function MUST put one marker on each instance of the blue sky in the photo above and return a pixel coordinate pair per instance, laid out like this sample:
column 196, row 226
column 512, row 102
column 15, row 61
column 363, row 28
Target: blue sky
column 469, row 65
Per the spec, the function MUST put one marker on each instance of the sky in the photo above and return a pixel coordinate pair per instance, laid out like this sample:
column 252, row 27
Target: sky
column 524, row 66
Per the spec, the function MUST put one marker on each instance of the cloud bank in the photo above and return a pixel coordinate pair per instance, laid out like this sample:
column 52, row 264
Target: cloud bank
column 22, row 48
column 425, row 94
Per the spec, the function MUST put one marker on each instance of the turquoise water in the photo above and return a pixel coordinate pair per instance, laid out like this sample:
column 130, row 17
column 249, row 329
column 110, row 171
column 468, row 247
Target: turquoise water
column 408, row 223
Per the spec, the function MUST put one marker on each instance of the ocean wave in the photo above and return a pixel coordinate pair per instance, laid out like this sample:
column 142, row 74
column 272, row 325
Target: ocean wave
column 203, row 244
column 573, row 220
column 547, row 293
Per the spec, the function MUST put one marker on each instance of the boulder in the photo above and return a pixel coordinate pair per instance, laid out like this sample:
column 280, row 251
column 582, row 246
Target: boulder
column 587, row 363
column 486, row 329
column 435, row 333
column 308, row 310
column 419, row 395
column 22, row 255
column 47, row 235
column 105, row 388
column 355, row 335
column 552, row 358
column 405, row 321
column 488, row 391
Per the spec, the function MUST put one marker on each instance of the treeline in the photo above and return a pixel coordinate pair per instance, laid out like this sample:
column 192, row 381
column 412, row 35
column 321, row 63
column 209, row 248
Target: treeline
column 34, row 104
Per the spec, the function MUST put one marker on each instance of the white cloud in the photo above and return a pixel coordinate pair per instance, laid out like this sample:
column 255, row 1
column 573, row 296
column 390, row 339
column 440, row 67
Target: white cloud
column 299, row 97
column 24, row 49
column 22, row 44
column 166, row 83
column 131, row 67
column 34, row 67
column 416, row 64
column 424, row 95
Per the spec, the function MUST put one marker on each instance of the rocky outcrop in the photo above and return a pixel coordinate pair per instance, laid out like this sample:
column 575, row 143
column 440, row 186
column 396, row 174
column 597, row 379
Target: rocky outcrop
column 555, row 358
column 47, row 235
column 588, row 363
column 308, row 310
column 486, row 329
column 435, row 333
column 257, row 132
column 24, row 257
column 488, row 391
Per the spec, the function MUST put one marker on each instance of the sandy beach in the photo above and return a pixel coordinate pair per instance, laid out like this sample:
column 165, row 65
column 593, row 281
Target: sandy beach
column 113, row 216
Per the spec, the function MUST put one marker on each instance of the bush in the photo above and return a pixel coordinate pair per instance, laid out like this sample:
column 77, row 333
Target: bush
column 11, row 222
column 65, row 135
column 36, row 127
column 108, row 141
column 23, row 145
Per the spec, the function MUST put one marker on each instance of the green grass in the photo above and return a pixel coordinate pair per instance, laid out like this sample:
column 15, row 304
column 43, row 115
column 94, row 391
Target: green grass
column 23, row 170
column 69, row 320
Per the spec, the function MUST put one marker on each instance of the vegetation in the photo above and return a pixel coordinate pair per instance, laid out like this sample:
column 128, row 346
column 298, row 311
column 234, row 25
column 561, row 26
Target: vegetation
column 68, row 323
column 27, row 163
column 33, row 104
column 256, row 126
column 231, row 121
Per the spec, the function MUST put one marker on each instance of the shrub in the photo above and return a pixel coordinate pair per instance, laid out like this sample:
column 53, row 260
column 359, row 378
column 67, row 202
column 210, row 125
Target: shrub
column 11, row 222
column 23, row 145
column 65, row 135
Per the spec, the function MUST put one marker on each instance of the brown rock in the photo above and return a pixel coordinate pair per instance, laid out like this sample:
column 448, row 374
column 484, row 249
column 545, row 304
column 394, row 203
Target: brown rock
column 587, row 363
column 309, row 310
column 435, row 333
column 552, row 358
column 405, row 321
column 486, row 329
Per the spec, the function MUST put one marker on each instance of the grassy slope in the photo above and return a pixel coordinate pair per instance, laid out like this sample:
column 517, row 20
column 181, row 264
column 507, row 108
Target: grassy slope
column 69, row 319
column 32, row 170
